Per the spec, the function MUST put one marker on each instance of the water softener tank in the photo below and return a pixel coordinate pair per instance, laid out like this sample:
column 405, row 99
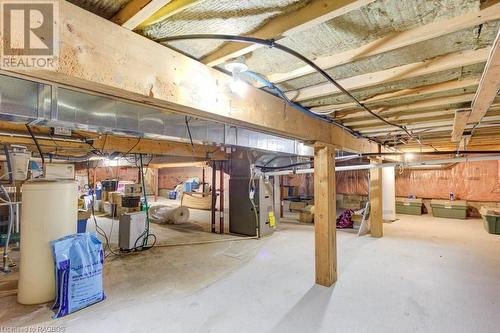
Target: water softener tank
column 48, row 212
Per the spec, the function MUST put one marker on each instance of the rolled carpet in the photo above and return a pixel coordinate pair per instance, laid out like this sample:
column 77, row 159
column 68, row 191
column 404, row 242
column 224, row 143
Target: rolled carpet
column 169, row 215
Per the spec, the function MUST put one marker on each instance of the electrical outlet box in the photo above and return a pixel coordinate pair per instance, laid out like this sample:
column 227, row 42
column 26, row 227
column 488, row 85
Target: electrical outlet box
column 61, row 131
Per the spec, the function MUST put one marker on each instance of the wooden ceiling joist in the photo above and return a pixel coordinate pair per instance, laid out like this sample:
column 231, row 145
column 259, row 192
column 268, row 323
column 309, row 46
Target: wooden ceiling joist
column 168, row 10
column 489, row 85
column 137, row 11
column 459, row 124
column 395, row 41
column 431, row 125
column 417, row 118
column 149, row 73
column 402, row 94
column 412, row 108
column 314, row 13
column 485, row 94
column 405, row 72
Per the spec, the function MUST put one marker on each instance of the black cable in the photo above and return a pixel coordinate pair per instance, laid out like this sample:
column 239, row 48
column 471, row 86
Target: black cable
column 301, row 108
column 36, row 143
column 101, row 232
column 104, row 144
column 265, row 168
column 272, row 44
column 132, row 148
column 189, row 132
column 146, row 234
column 87, row 141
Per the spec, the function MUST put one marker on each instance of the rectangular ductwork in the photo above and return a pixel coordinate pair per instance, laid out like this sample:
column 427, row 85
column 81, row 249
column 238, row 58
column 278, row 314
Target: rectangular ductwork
column 50, row 105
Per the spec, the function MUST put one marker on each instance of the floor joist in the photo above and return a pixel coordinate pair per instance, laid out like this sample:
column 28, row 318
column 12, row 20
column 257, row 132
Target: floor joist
column 431, row 66
column 395, row 41
column 314, row 13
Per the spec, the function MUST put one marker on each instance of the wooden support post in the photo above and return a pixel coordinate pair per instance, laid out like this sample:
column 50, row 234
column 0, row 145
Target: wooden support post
column 325, row 231
column 376, row 227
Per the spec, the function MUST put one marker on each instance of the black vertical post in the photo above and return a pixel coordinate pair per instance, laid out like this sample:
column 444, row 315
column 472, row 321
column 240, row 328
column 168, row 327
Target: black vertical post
column 221, row 198
column 214, row 193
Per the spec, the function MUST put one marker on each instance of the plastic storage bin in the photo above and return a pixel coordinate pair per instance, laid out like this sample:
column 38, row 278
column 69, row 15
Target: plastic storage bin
column 449, row 209
column 491, row 220
column 408, row 206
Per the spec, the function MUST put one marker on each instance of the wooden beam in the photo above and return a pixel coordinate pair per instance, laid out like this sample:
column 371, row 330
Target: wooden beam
column 431, row 66
column 376, row 226
column 133, row 145
column 489, row 85
column 170, row 9
column 314, row 13
column 143, row 71
column 421, row 91
column 200, row 164
column 395, row 41
column 325, row 229
column 106, row 143
column 459, row 124
column 137, row 11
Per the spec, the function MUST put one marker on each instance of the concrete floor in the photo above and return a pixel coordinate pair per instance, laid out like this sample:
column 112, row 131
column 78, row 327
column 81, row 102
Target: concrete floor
column 426, row 274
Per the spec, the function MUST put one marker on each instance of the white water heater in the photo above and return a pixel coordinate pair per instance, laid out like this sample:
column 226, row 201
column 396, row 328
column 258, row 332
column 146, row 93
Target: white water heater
column 49, row 211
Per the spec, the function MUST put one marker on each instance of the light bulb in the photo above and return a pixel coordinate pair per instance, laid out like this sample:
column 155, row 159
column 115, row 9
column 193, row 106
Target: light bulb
column 409, row 156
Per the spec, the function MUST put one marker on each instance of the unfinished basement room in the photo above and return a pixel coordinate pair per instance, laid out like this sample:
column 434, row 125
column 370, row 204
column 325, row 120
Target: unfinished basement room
column 250, row 166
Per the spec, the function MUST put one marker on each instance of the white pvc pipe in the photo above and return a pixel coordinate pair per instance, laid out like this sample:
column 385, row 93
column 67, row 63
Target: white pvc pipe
column 390, row 165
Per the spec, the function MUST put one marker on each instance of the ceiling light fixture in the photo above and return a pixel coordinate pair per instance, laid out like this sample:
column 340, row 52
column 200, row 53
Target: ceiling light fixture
column 236, row 67
column 409, row 156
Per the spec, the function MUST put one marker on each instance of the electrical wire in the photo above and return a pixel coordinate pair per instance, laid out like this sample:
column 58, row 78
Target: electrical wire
column 299, row 107
column 146, row 234
column 271, row 43
column 186, row 119
column 132, row 148
column 36, row 143
column 5, row 267
column 104, row 143
column 101, row 232
column 269, row 168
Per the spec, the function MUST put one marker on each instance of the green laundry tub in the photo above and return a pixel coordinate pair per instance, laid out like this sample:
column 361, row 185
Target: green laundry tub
column 449, row 209
column 491, row 220
column 408, row 206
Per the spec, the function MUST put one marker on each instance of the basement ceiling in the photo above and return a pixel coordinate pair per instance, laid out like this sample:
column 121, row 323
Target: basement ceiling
column 417, row 97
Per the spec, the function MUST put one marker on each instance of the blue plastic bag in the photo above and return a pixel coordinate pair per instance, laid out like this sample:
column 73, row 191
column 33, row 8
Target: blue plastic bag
column 78, row 261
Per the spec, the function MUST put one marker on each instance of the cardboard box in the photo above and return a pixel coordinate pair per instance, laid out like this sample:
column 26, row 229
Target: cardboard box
column 298, row 206
column 307, row 214
column 115, row 198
